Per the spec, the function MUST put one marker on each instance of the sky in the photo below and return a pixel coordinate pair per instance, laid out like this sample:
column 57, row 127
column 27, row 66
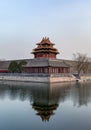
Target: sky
column 23, row 23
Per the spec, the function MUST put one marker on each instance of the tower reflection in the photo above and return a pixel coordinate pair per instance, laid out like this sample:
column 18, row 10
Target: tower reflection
column 45, row 98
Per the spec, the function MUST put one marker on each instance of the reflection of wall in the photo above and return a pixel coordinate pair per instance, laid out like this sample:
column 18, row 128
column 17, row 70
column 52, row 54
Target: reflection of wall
column 81, row 94
column 45, row 98
column 45, row 101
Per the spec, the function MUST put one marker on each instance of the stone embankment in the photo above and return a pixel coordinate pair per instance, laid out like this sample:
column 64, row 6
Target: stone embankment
column 44, row 78
column 82, row 77
column 86, row 77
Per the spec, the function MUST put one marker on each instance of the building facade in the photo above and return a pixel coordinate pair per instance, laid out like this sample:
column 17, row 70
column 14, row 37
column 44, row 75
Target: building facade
column 45, row 60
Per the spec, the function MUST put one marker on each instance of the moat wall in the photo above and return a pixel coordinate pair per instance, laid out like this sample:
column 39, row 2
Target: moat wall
column 44, row 78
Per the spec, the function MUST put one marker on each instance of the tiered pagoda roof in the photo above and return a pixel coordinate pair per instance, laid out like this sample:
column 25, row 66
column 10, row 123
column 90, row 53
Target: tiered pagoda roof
column 46, row 62
column 45, row 112
column 45, row 46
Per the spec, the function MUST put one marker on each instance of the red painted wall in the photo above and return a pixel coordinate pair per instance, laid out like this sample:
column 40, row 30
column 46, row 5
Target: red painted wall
column 45, row 55
column 47, row 70
column 3, row 71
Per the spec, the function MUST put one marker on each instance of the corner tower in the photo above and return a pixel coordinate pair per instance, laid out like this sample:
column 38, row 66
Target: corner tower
column 45, row 49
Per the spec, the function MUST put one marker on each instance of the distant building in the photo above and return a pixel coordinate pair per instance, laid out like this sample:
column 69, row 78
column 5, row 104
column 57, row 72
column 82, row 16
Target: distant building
column 44, row 61
column 4, row 66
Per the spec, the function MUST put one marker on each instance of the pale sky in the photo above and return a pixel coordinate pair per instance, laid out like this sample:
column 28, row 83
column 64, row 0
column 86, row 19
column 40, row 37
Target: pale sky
column 23, row 23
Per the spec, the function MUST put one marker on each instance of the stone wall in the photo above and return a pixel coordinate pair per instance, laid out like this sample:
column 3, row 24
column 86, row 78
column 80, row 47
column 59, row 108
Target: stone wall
column 85, row 78
column 42, row 79
column 24, row 79
column 45, row 78
column 62, row 79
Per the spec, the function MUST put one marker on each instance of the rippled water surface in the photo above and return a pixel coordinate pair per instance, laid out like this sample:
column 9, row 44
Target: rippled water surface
column 29, row 106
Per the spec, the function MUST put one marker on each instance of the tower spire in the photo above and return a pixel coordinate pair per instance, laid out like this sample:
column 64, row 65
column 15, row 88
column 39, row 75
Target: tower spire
column 45, row 49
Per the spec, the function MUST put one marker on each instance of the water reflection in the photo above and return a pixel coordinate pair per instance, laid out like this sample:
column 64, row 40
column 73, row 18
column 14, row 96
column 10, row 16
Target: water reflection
column 81, row 94
column 45, row 98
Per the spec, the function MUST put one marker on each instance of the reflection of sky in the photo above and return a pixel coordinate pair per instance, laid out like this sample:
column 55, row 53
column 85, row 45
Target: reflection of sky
column 23, row 23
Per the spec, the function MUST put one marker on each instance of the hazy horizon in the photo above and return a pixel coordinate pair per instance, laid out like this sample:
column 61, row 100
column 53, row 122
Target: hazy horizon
column 24, row 23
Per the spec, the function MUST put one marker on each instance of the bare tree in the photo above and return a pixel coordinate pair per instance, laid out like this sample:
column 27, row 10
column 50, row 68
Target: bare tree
column 82, row 62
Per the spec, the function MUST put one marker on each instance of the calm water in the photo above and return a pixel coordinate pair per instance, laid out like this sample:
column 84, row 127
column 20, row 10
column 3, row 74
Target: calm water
column 25, row 106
